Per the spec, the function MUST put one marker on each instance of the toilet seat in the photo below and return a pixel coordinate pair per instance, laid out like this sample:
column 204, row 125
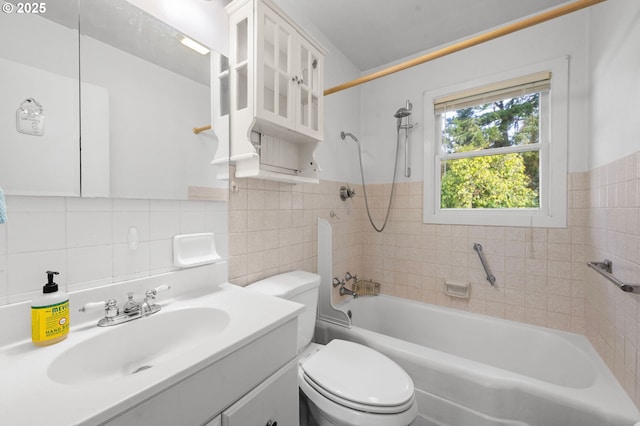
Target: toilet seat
column 359, row 378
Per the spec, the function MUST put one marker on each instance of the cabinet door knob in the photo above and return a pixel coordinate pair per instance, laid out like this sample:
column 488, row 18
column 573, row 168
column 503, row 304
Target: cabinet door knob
column 272, row 423
column 294, row 78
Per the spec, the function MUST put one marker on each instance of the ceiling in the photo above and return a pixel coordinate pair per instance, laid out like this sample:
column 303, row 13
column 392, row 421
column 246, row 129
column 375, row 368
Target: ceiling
column 372, row 33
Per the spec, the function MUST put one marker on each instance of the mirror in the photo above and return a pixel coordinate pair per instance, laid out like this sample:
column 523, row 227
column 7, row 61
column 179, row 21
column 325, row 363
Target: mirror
column 141, row 93
column 39, row 106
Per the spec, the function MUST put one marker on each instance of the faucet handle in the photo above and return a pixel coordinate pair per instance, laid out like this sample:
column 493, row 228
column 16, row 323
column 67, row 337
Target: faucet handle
column 111, row 309
column 150, row 295
column 154, row 292
column 163, row 287
column 92, row 306
column 348, row 277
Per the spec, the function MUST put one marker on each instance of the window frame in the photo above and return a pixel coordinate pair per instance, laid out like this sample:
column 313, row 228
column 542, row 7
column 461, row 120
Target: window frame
column 553, row 156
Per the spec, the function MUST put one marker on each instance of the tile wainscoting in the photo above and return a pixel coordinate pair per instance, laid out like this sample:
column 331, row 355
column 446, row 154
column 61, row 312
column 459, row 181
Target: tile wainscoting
column 541, row 273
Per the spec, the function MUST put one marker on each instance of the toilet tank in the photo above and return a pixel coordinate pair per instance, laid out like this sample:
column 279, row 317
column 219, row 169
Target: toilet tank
column 297, row 286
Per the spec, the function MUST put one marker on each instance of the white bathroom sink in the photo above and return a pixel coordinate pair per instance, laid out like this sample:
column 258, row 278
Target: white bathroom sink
column 107, row 371
column 131, row 349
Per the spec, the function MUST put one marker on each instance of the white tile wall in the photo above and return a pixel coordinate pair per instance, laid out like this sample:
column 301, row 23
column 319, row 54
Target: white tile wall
column 86, row 240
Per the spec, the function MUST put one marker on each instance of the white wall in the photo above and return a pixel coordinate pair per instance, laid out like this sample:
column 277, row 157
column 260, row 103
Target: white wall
column 381, row 98
column 614, row 63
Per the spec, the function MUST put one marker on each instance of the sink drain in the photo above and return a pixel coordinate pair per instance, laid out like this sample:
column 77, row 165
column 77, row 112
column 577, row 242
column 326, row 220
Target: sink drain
column 139, row 369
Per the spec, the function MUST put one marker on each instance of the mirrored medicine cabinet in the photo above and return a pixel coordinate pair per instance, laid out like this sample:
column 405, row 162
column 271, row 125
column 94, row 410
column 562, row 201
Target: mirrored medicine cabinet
column 100, row 99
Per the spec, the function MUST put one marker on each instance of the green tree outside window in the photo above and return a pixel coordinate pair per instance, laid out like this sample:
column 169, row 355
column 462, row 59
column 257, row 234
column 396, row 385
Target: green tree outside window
column 491, row 180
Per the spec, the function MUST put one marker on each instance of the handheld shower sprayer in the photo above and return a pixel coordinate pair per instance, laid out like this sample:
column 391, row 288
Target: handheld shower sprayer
column 400, row 115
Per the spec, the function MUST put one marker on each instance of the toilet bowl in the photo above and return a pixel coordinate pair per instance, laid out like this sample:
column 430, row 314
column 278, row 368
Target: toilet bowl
column 344, row 383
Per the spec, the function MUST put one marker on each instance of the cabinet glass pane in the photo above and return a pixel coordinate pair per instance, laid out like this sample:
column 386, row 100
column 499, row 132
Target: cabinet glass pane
column 242, row 89
column 269, row 45
column 314, row 113
column 283, row 98
column 304, row 107
column 283, row 50
column 241, row 42
column 313, row 75
column 224, row 64
column 304, row 64
column 224, row 96
column 269, row 91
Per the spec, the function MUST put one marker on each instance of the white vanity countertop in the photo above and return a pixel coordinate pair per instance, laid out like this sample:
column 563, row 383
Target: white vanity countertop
column 28, row 396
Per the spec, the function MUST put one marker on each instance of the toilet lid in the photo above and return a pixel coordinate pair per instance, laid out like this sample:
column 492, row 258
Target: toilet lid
column 349, row 372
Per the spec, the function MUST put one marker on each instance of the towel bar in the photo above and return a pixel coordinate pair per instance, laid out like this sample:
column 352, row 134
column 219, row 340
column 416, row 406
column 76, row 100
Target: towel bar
column 605, row 268
column 198, row 130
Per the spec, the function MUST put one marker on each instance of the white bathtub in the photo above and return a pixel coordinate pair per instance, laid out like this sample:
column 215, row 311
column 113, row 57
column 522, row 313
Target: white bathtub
column 474, row 370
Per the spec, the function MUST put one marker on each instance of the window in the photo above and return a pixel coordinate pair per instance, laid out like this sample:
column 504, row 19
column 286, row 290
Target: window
column 496, row 150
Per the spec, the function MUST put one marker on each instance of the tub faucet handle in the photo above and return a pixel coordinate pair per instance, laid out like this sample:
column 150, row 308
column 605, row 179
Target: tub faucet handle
column 337, row 282
column 348, row 277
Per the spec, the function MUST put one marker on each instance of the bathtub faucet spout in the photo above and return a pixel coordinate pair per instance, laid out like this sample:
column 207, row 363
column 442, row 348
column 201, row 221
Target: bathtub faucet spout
column 344, row 291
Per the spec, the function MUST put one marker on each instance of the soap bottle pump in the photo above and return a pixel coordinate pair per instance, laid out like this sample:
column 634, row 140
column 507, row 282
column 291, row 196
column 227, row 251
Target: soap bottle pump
column 50, row 314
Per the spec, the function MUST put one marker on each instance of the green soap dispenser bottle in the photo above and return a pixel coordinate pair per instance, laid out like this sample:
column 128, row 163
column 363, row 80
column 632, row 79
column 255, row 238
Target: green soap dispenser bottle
column 50, row 314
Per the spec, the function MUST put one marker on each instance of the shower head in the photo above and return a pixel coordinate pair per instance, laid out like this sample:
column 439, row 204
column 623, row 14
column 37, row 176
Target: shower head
column 402, row 112
column 344, row 135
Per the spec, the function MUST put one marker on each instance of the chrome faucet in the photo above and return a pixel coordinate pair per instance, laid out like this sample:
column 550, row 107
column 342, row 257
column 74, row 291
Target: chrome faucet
column 131, row 307
column 344, row 290
column 131, row 310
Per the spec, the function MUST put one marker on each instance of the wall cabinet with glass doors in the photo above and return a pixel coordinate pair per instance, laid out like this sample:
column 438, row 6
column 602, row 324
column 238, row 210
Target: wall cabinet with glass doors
column 276, row 87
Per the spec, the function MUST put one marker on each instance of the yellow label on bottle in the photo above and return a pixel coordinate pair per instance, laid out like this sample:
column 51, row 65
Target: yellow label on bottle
column 49, row 322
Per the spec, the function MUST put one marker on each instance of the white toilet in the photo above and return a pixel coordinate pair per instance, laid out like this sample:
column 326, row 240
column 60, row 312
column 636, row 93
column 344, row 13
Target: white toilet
column 345, row 383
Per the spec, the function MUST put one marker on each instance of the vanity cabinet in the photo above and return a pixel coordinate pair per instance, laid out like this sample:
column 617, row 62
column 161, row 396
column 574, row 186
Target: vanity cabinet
column 274, row 401
column 276, row 74
column 237, row 390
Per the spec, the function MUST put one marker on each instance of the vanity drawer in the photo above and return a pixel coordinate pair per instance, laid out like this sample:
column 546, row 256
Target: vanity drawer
column 273, row 402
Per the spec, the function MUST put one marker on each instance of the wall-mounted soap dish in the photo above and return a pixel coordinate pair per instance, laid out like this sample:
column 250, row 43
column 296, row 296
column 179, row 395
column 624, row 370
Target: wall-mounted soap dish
column 456, row 289
column 194, row 249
